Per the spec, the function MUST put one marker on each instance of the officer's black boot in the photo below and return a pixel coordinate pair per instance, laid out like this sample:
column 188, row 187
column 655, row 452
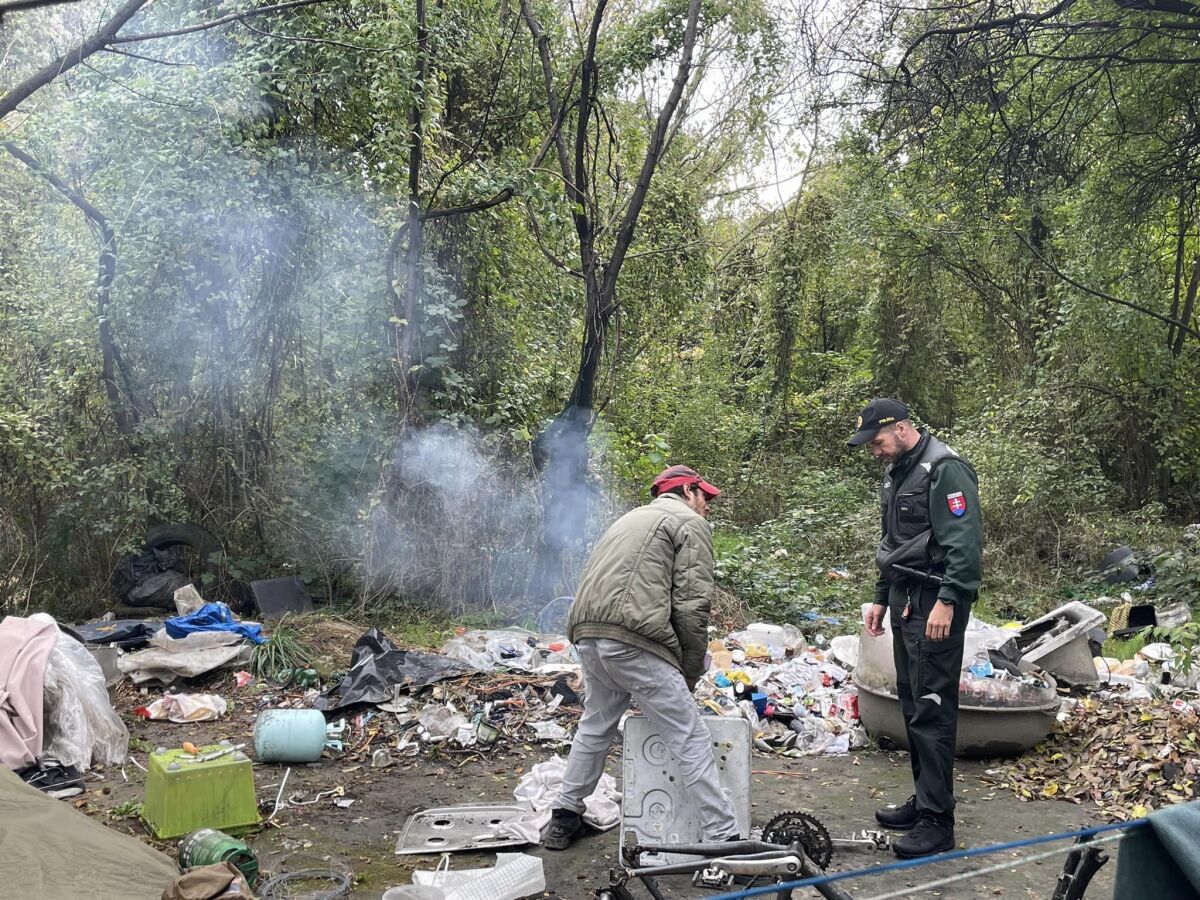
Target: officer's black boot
column 900, row 818
column 564, row 826
column 933, row 833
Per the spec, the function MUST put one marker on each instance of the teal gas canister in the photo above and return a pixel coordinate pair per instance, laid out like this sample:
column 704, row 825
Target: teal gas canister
column 289, row 735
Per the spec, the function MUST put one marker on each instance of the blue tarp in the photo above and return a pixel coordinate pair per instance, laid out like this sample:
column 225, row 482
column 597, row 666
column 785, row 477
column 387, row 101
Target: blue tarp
column 212, row 617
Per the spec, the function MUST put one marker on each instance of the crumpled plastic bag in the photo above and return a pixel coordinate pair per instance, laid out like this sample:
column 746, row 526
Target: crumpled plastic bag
column 187, row 600
column 185, row 708
column 80, row 725
column 515, row 875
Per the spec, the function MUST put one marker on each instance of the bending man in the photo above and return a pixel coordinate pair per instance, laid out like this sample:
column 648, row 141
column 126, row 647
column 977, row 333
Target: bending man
column 640, row 625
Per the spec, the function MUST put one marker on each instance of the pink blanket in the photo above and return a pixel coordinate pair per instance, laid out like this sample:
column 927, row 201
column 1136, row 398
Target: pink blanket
column 24, row 647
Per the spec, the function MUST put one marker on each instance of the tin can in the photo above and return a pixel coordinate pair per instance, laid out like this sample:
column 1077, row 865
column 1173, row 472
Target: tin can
column 208, row 847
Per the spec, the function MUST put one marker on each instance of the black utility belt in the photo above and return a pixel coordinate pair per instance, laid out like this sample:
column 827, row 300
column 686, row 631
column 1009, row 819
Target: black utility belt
column 903, row 575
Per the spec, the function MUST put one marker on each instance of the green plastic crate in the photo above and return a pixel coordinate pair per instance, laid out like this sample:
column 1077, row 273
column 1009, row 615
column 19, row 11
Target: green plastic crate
column 185, row 794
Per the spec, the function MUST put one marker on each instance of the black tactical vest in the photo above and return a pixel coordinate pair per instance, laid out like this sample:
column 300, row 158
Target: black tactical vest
column 908, row 529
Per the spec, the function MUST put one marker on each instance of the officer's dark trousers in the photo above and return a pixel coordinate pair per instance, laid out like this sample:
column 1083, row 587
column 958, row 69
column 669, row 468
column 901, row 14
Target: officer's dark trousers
column 927, row 675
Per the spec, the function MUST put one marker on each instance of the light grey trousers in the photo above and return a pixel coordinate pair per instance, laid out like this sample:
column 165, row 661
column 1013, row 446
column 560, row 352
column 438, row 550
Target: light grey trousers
column 614, row 672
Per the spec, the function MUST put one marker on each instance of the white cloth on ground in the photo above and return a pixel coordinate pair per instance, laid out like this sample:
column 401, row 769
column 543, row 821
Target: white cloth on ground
column 538, row 789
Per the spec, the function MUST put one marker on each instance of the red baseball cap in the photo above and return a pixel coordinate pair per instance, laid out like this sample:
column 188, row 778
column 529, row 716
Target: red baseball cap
column 676, row 476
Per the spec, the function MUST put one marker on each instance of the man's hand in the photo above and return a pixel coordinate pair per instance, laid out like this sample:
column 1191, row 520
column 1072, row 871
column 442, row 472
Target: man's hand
column 937, row 626
column 691, row 684
column 873, row 619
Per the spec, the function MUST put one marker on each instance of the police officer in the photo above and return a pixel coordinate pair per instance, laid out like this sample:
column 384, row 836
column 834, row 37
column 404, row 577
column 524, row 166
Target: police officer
column 930, row 561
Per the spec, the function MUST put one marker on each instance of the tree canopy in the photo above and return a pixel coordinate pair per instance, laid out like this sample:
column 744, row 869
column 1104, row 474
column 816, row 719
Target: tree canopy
column 408, row 298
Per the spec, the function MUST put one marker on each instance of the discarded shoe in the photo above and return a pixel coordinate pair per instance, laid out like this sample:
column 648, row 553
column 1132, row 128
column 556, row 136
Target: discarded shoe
column 564, row 826
column 932, row 834
column 900, row 818
column 53, row 778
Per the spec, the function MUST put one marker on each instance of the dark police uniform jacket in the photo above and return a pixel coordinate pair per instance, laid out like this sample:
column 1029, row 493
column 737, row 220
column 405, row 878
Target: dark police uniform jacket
column 931, row 523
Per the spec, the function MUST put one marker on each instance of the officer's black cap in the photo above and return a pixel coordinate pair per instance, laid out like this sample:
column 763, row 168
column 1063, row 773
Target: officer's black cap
column 879, row 412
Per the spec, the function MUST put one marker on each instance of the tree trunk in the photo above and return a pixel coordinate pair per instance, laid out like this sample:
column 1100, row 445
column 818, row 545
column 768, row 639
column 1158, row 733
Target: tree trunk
column 560, row 451
column 124, row 419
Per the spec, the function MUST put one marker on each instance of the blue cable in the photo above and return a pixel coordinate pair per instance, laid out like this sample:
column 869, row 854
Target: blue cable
column 925, row 860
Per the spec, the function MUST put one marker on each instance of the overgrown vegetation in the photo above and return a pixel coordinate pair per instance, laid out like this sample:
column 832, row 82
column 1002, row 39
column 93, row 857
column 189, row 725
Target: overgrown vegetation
column 345, row 264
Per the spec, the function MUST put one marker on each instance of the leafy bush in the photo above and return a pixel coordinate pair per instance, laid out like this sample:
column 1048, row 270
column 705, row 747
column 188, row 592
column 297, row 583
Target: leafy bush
column 812, row 561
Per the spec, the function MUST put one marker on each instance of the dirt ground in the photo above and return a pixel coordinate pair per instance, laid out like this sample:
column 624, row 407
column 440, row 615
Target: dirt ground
column 841, row 791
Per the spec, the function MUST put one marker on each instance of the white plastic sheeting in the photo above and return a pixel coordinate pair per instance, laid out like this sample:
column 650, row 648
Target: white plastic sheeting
column 81, row 727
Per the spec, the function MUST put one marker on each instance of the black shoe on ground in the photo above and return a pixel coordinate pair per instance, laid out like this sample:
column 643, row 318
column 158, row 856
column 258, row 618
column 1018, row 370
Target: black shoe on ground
column 932, row 834
column 56, row 780
column 899, row 818
column 564, row 826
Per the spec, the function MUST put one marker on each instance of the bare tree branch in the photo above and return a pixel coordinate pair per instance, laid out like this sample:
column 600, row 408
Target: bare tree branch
column 214, row 23
column 18, row 5
column 71, row 58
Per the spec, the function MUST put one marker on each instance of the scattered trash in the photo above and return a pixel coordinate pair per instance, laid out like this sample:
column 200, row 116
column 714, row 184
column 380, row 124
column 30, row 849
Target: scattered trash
column 184, row 708
column 513, row 649
column 289, row 735
column 768, row 675
column 243, row 678
column 381, row 759
column 549, row 731
column 439, row 723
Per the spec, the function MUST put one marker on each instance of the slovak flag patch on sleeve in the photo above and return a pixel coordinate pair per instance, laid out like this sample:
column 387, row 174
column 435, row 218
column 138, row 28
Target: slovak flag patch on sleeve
column 957, row 503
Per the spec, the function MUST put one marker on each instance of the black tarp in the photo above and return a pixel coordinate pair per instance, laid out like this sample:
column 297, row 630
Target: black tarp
column 376, row 665
column 128, row 634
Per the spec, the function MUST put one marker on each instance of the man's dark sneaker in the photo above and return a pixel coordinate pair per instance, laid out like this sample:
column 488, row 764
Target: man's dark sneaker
column 900, row 818
column 57, row 780
column 564, row 826
column 932, row 834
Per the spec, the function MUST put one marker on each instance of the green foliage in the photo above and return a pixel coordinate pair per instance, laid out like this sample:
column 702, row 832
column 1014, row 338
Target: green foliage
column 130, row 809
column 283, row 651
column 815, row 560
